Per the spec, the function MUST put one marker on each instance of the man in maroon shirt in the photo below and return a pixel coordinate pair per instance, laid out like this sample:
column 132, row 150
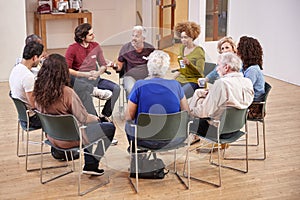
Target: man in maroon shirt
column 86, row 63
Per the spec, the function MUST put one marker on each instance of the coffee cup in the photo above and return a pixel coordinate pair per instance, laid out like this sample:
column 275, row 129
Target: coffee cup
column 182, row 65
column 202, row 82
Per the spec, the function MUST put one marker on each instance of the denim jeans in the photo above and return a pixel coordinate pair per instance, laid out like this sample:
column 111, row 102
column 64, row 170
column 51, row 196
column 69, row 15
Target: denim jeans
column 84, row 88
column 189, row 89
column 94, row 131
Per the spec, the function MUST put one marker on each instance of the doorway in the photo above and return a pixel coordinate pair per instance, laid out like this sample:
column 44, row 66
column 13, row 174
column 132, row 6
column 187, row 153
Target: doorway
column 169, row 13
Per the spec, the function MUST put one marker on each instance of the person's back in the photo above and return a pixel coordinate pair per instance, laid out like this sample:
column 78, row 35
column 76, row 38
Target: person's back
column 254, row 73
column 231, row 90
column 250, row 51
column 154, row 95
column 59, row 99
column 157, row 96
column 21, row 79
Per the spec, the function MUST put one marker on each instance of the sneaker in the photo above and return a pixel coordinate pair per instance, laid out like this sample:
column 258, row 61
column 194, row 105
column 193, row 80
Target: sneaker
column 102, row 94
column 90, row 171
column 114, row 142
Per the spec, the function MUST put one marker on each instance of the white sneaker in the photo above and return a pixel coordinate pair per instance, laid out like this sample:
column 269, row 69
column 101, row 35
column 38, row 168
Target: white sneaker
column 114, row 142
column 102, row 94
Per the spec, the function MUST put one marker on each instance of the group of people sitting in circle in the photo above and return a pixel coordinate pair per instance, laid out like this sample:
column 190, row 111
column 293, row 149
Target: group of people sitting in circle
column 67, row 84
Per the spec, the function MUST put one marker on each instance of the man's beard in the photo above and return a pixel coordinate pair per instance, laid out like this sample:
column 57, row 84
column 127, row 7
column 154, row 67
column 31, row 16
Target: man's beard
column 136, row 45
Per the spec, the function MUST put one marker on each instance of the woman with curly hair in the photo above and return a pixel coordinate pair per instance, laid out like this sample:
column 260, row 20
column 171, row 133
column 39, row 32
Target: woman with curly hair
column 53, row 95
column 225, row 44
column 191, row 57
column 251, row 53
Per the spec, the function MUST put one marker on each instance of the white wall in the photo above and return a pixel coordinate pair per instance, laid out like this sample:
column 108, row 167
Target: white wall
column 274, row 23
column 12, row 35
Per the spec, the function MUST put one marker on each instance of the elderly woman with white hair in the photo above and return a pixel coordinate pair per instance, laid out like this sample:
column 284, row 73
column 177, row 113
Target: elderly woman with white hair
column 154, row 95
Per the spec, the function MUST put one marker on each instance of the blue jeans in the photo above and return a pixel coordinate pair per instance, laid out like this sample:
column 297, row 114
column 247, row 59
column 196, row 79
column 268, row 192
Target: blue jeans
column 34, row 122
column 84, row 88
column 94, row 131
column 110, row 104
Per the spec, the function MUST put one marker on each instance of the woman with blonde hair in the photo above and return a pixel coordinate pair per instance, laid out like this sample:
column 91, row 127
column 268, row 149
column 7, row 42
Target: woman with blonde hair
column 225, row 44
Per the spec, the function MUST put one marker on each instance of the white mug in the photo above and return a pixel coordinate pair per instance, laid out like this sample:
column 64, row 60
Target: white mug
column 202, row 82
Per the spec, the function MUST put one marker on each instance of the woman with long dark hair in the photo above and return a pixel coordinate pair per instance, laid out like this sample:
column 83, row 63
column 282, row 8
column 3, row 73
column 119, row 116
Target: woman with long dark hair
column 251, row 53
column 54, row 96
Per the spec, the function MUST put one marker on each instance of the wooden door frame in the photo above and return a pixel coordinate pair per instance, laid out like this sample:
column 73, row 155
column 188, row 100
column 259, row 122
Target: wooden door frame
column 166, row 41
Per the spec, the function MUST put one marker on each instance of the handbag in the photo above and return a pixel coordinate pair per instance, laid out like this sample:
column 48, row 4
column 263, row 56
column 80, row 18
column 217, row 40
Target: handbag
column 148, row 168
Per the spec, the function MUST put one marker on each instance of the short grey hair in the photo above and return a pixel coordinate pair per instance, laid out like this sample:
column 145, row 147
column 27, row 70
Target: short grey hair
column 158, row 63
column 140, row 28
column 232, row 60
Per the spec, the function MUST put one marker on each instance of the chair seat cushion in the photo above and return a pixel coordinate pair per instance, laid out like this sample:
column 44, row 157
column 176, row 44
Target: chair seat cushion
column 155, row 145
column 228, row 137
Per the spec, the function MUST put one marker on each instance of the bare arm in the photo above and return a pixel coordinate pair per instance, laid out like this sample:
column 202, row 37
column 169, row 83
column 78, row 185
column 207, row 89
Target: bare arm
column 80, row 74
column 118, row 66
column 130, row 111
column 30, row 98
column 184, row 105
column 91, row 118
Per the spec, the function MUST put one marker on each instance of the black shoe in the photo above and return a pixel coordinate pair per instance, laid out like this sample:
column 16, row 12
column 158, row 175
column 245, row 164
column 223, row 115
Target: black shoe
column 92, row 171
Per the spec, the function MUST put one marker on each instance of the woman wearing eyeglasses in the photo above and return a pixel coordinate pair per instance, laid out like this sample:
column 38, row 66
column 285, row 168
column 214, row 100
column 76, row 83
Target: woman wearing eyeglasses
column 191, row 57
column 226, row 44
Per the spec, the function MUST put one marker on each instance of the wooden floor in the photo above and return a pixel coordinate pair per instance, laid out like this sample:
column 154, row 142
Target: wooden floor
column 278, row 177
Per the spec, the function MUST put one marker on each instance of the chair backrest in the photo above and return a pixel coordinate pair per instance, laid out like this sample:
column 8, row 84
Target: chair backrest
column 232, row 120
column 21, row 108
column 208, row 67
column 268, row 88
column 60, row 127
column 162, row 126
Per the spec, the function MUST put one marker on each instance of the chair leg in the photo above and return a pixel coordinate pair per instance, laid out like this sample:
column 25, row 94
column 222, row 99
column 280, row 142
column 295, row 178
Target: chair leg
column 18, row 140
column 201, row 180
column 27, row 154
column 18, row 144
column 263, row 142
column 81, row 193
column 256, row 142
column 233, row 158
column 92, row 188
column 186, row 184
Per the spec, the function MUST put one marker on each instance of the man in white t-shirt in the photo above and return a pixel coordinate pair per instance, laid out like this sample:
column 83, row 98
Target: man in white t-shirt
column 21, row 79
